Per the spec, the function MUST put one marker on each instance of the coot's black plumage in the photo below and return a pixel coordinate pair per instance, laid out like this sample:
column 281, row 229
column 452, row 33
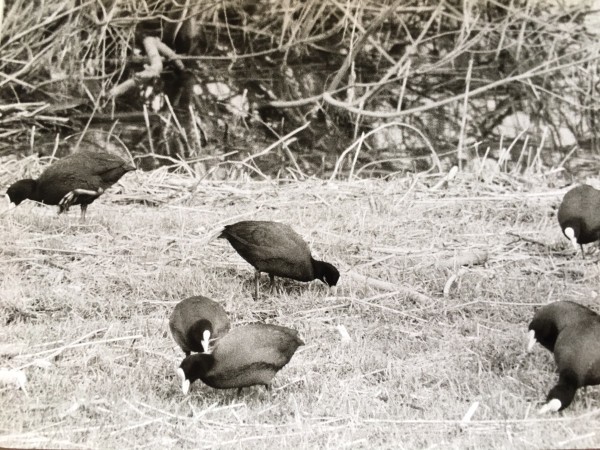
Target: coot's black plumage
column 197, row 320
column 246, row 356
column 579, row 215
column 577, row 356
column 551, row 319
column 275, row 248
column 77, row 179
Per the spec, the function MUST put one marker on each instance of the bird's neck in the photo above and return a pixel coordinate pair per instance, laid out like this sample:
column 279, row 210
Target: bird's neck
column 33, row 190
column 565, row 388
column 202, row 364
column 318, row 268
column 546, row 333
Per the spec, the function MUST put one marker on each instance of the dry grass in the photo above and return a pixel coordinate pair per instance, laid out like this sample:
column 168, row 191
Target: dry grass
column 86, row 309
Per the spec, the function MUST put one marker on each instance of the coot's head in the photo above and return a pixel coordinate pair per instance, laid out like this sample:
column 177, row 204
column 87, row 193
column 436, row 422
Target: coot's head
column 21, row 190
column 327, row 273
column 193, row 368
column 542, row 329
column 200, row 334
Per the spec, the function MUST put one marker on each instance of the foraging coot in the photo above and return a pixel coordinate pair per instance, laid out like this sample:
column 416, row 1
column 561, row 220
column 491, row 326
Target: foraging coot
column 77, row 179
column 197, row 320
column 246, row 356
column 551, row 319
column 275, row 248
column 579, row 215
column 577, row 356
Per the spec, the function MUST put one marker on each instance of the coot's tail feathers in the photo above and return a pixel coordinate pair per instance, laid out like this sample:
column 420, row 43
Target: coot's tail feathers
column 225, row 232
column 70, row 197
column 216, row 233
column 290, row 333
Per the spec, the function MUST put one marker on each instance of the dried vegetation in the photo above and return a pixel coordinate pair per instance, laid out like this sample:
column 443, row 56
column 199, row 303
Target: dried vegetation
column 85, row 311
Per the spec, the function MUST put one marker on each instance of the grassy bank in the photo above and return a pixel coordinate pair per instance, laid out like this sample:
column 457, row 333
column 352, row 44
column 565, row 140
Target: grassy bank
column 85, row 308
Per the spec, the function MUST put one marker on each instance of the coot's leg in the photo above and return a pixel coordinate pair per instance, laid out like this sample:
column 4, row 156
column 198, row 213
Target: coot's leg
column 269, row 393
column 582, row 253
column 272, row 285
column 239, row 392
column 83, row 209
column 256, row 280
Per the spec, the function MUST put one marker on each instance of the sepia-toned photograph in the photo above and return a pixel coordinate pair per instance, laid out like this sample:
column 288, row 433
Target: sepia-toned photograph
column 299, row 224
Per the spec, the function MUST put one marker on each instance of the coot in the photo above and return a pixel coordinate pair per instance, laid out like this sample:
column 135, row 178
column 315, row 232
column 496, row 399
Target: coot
column 246, row 356
column 197, row 320
column 77, row 179
column 577, row 356
column 579, row 215
column 275, row 248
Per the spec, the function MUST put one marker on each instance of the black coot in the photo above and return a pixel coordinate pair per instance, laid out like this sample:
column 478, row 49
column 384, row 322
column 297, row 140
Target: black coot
column 275, row 248
column 77, row 179
column 197, row 320
column 579, row 215
column 246, row 356
column 577, row 356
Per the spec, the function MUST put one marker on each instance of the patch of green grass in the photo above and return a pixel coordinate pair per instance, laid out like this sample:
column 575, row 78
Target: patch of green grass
column 99, row 294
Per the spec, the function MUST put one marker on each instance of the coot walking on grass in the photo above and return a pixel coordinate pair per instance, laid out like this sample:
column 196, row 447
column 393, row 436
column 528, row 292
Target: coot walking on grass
column 77, row 179
column 579, row 215
column 246, row 356
column 577, row 356
column 276, row 249
column 197, row 320
column 551, row 319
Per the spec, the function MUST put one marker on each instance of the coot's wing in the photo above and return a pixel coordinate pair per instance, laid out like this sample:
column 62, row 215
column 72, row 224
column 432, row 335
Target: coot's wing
column 271, row 247
column 566, row 313
column 109, row 167
column 254, row 344
column 577, row 349
column 85, row 170
column 179, row 337
column 58, row 180
column 214, row 312
column 263, row 234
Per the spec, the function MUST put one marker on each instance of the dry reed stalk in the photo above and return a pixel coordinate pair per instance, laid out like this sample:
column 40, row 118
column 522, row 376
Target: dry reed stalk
column 466, row 258
column 386, row 286
column 53, row 353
